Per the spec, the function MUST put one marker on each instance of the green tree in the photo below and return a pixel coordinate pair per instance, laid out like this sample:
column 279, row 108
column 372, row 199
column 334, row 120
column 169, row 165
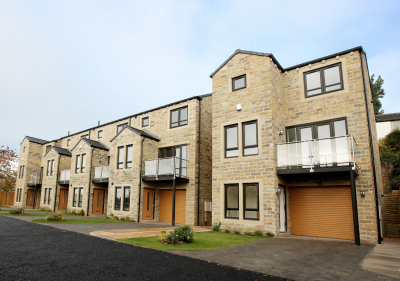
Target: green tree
column 377, row 93
column 8, row 173
column 389, row 150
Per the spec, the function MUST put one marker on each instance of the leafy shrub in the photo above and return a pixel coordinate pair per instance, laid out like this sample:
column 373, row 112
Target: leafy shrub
column 111, row 214
column 258, row 232
column 73, row 212
column 226, row 229
column 127, row 218
column 247, row 231
column 51, row 218
column 81, row 213
column 122, row 219
column 216, row 226
column 163, row 235
column 45, row 209
column 170, row 238
column 59, row 216
column 117, row 218
column 184, row 233
column 16, row 212
column 270, row 234
column 235, row 230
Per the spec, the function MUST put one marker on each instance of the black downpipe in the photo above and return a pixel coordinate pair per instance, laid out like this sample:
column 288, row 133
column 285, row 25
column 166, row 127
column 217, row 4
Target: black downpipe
column 90, row 183
column 372, row 148
column 173, row 199
column 355, row 210
column 140, row 176
column 55, row 193
column 198, row 169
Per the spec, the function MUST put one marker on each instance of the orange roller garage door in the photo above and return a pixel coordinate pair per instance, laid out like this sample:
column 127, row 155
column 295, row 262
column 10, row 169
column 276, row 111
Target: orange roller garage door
column 166, row 206
column 322, row 212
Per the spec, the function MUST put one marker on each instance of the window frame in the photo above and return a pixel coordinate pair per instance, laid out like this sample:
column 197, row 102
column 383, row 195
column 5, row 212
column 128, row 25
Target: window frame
column 77, row 164
column 181, row 159
column 48, row 168
column 148, row 121
column 80, row 197
column 45, row 196
column 100, row 134
column 85, row 136
column 74, row 197
column 124, row 203
column 48, row 196
column 179, row 117
column 24, row 149
column 48, row 147
column 83, row 162
column 244, row 201
column 118, row 154
column 52, row 168
column 126, row 156
column 69, row 142
column 226, row 140
column 237, row 78
column 243, row 138
column 226, row 201
column 122, row 126
column 115, row 198
column 322, row 80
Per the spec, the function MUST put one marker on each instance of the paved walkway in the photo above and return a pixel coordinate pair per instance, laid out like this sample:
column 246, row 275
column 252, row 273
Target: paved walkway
column 141, row 231
column 384, row 259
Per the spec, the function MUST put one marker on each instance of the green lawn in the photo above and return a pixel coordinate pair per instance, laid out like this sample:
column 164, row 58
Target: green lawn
column 3, row 206
column 204, row 241
column 80, row 221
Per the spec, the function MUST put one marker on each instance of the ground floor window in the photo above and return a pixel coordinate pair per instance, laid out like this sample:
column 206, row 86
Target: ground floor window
column 117, row 205
column 75, row 197
column 80, row 197
column 48, row 197
column 45, row 194
column 18, row 195
column 249, row 207
column 127, row 198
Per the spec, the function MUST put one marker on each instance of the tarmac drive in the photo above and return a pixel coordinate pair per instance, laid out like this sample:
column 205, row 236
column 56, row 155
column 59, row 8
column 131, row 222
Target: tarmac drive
column 31, row 251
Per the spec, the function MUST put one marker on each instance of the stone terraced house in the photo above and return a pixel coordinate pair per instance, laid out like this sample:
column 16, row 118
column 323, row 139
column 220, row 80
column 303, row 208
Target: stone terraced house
column 291, row 151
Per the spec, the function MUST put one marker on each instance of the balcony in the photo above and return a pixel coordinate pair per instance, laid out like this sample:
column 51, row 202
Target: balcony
column 166, row 170
column 101, row 174
column 64, row 177
column 35, row 180
column 335, row 154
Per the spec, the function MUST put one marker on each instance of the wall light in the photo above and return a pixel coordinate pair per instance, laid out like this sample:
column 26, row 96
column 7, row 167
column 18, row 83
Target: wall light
column 362, row 193
column 278, row 191
column 281, row 132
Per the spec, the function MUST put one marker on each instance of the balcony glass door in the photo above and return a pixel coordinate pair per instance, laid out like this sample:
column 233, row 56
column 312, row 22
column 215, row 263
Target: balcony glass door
column 323, row 147
column 305, row 134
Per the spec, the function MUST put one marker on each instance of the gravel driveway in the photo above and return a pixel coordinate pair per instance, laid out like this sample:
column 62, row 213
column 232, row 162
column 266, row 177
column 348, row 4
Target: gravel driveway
column 30, row 251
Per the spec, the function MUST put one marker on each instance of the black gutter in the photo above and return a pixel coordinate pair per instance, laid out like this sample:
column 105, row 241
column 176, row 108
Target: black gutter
column 140, row 176
column 134, row 115
column 198, row 169
column 90, row 182
column 55, row 193
column 371, row 145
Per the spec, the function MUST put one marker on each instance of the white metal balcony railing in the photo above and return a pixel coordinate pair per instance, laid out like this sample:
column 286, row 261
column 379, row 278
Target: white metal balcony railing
column 101, row 172
column 65, row 176
column 171, row 166
column 327, row 152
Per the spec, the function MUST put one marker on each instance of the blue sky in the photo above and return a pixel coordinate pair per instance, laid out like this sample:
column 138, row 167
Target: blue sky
column 64, row 65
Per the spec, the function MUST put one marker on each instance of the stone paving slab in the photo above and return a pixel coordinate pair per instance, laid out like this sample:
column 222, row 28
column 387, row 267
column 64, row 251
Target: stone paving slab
column 142, row 232
column 384, row 259
column 297, row 259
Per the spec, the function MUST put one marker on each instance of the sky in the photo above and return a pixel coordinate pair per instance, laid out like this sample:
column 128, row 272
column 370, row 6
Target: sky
column 65, row 65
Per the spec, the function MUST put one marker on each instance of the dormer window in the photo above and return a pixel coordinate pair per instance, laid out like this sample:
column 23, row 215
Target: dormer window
column 120, row 127
column 239, row 82
column 323, row 80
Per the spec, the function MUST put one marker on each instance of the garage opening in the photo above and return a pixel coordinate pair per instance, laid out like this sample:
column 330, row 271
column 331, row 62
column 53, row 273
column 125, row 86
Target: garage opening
column 166, row 206
column 322, row 212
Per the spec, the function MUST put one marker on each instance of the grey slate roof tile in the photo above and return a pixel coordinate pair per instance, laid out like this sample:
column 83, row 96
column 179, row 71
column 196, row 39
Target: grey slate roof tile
column 388, row 117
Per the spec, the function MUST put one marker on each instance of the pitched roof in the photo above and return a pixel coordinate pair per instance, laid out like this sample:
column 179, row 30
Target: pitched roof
column 388, row 117
column 35, row 140
column 238, row 51
column 92, row 143
column 59, row 150
column 143, row 133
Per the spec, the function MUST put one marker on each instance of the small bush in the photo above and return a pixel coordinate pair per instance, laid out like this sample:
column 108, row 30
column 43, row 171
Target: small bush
column 51, row 218
column 163, row 235
column 216, row 226
column 45, row 209
column 122, row 219
column 127, row 218
column 270, row 234
column 184, row 233
column 170, row 238
column 59, row 216
column 73, row 212
column 16, row 212
column 81, row 213
column 247, row 231
column 258, row 232
column 226, row 229
column 117, row 218
column 235, row 230
column 133, row 220
column 111, row 214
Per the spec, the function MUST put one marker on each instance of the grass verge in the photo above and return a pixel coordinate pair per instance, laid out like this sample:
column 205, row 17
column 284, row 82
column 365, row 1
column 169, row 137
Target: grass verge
column 32, row 214
column 204, row 241
column 80, row 221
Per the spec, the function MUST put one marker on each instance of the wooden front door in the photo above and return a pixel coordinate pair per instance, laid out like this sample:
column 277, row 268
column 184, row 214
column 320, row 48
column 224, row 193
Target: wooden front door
column 98, row 200
column 148, row 204
column 63, row 203
column 166, row 206
column 30, row 198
